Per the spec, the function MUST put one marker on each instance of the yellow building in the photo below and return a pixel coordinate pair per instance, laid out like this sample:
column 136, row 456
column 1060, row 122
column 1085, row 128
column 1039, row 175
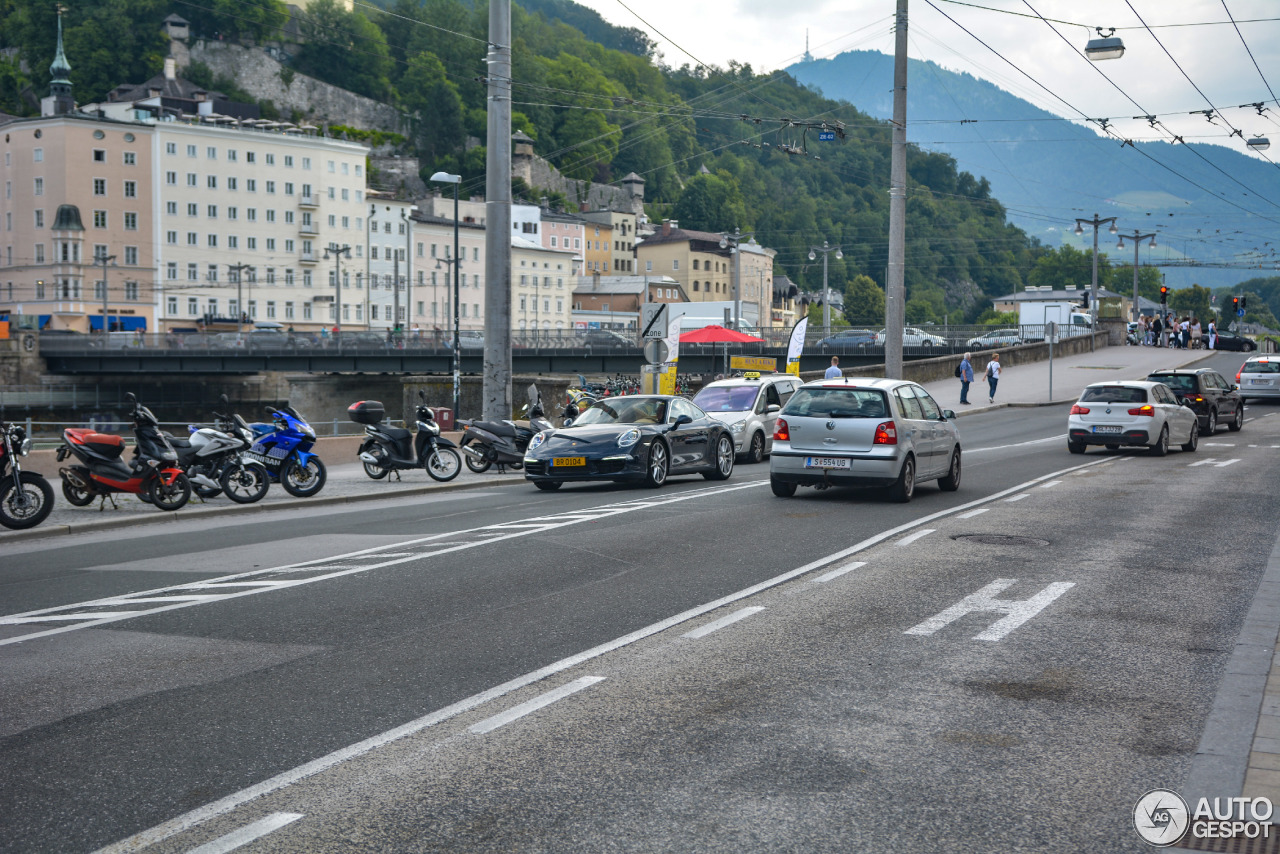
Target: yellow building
column 705, row 270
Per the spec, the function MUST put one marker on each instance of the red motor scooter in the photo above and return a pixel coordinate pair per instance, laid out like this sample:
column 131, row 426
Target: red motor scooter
column 153, row 473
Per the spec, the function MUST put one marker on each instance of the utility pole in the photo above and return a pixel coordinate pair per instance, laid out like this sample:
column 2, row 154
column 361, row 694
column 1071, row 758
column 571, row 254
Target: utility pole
column 826, row 249
column 732, row 240
column 497, row 260
column 337, row 252
column 237, row 270
column 895, row 281
column 1093, row 289
column 1136, row 238
column 103, row 259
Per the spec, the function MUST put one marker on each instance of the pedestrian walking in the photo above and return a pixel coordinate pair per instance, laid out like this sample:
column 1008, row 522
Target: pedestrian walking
column 993, row 376
column 1197, row 334
column 1184, row 329
column 966, row 377
column 1213, row 335
column 833, row 372
column 1157, row 331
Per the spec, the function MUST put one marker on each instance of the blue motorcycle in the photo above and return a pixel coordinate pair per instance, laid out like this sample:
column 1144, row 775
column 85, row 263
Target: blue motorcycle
column 284, row 447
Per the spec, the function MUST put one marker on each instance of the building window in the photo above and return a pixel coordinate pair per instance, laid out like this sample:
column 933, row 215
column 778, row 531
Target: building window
column 251, row 214
column 233, row 242
column 192, row 180
column 171, row 208
column 37, row 155
column 99, row 156
column 288, row 188
column 99, row 219
column 271, row 244
column 193, row 272
column 171, row 148
column 130, row 158
column 251, row 185
column 130, row 221
column 271, row 160
column 271, row 309
column 213, row 241
column 193, row 239
column 211, row 153
column 306, row 163
column 271, row 186
column 171, row 306
column 39, row 186
column 271, row 275
column 232, row 212
column 171, row 178
column 193, row 306
column 171, row 237
column 288, row 311
column 212, row 211
column 251, row 242
column 191, row 151
column 211, row 182
column 39, row 218
column 232, row 184
column 288, row 277
column 288, row 161
column 131, row 291
column 99, row 186
column 213, row 272
column 193, row 209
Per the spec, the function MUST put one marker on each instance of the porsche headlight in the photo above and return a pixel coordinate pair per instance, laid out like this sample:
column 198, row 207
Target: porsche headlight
column 629, row 438
column 536, row 442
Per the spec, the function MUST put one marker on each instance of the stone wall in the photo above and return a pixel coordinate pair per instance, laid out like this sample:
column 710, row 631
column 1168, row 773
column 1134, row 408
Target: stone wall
column 18, row 365
column 397, row 174
column 264, row 78
column 541, row 175
column 323, row 398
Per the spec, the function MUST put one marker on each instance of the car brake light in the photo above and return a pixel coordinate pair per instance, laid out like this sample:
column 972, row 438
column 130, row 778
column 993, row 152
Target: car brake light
column 886, row 433
column 1079, row 410
column 780, row 431
column 1199, row 399
column 1144, row 410
column 1241, row 371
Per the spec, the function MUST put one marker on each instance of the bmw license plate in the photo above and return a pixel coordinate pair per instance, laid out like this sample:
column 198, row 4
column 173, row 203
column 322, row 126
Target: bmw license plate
column 569, row 462
column 826, row 463
column 1102, row 429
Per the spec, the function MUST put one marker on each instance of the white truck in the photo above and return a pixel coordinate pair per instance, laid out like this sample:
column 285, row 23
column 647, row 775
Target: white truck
column 1070, row 320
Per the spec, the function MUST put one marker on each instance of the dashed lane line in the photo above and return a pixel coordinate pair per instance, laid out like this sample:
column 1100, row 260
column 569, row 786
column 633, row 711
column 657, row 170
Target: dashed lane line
column 91, row 614
column 727, row 620
column 905, row 541
column 249, row 833
column 541, row 701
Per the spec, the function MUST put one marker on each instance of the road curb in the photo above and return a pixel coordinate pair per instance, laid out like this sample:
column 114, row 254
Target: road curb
column 56, row 530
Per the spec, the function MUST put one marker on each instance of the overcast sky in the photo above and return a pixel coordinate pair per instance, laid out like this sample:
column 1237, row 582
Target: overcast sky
column 770, row 34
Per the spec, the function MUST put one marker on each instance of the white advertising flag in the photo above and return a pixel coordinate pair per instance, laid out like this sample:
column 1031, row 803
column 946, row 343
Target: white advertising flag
column 795, row 347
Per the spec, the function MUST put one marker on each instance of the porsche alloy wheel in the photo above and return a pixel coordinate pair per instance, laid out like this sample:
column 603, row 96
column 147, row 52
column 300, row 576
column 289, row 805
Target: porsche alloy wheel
column 659, row 465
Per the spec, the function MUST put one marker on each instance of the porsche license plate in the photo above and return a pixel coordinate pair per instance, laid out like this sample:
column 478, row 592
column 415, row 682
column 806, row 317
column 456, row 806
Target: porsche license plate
column 826, row 463
column 1102, row 429
column 569, row 462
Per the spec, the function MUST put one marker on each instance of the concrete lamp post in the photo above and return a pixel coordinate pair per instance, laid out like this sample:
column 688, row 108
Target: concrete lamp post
column 455, row 180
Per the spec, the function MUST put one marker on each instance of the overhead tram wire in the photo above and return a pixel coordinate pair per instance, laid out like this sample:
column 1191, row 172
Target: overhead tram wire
column 1247, row 50
column 1084, row 116
column 1087, row 27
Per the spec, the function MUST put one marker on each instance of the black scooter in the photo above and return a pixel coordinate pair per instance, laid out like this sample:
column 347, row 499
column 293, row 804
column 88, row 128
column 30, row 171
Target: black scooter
column 503, row 442
column 392, row 449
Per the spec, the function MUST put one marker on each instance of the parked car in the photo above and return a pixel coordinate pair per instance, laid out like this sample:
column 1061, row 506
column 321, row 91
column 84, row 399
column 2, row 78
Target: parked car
column 644, row 438
column 1128, row 413
column 848, row 339
column 606, row 338
column 995, row 338
column 1228, row 340
column 1208, row 394
column 913, row 337
column 365, row 339
column 1259, row 377
column 864, row 432
column 749, row 407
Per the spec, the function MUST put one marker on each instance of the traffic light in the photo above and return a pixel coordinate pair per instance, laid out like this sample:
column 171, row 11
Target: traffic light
column 1085, row 304
column 1235, row 304
column 1164, row 294
column 1242, row 301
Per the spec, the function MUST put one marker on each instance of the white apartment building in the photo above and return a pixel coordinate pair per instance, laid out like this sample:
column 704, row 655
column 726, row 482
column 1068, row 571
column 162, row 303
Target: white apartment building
column 542, row 283
column 389, row 263
column 432, row 290
column 243, row 221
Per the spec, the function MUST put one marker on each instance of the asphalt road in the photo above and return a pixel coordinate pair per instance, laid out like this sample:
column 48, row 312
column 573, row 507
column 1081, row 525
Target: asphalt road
column 813, row 724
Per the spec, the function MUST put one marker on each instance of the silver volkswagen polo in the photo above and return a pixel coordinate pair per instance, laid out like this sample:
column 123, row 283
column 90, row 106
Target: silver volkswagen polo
column 864, row 432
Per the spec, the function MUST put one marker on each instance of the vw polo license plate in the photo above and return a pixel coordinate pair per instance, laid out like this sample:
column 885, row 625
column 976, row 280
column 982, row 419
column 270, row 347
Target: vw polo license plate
column 826, row 463
column 1102, row 429
column 569, row 462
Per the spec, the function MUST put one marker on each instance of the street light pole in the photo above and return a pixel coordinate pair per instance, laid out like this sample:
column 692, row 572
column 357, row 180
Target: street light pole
column 732, row 240
column 238, row 271
column 337, row 252
column 1093, row 290
column 456, row 180
column 1136, row 238
column 826, row 249
column 102, row 259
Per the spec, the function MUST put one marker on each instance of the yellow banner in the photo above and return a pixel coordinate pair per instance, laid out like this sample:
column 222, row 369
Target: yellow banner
column 667, row 380
column 753, row 363
column 794, row 367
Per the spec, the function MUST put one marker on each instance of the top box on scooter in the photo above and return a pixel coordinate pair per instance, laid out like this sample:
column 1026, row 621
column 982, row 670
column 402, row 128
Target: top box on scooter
column 367, row 412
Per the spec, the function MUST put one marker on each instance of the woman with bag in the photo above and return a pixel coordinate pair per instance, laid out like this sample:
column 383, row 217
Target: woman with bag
column 993, row 376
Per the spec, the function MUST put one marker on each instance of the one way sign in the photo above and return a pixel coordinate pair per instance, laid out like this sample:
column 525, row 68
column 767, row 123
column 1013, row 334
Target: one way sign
column 653, row 320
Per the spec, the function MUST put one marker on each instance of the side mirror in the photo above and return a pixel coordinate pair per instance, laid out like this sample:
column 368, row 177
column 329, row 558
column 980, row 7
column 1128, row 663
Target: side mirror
column 772, row 408
column 680, row 421
column 1235, row 387
column 948, row 414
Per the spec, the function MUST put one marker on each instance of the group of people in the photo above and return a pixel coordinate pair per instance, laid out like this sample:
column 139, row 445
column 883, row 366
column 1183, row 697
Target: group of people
column 1184, row 333
column 991, row 372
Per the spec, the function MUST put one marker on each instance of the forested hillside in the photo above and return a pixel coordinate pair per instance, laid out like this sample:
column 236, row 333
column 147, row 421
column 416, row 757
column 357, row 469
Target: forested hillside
column 718, row 149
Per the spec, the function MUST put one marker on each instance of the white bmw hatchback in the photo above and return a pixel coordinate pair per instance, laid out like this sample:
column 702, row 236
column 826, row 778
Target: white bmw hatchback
column 1129, row 413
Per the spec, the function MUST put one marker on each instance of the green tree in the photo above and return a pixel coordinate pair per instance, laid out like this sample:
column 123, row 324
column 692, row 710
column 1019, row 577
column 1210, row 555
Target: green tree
column 711, row 203
column 345, row 49
column 1149, row 281
column 259, row 20
column 1070, row 266
column 1191, row 302
column 863, row 301
column 587, row 141
column 426, row 91
column 12, row 84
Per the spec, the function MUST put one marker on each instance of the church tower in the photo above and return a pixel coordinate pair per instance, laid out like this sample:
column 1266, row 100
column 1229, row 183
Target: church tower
column 59, row 101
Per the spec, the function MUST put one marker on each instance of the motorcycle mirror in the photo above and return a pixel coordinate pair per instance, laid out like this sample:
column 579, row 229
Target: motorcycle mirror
column 422, row 394
column 129, row 397
column 223, row 399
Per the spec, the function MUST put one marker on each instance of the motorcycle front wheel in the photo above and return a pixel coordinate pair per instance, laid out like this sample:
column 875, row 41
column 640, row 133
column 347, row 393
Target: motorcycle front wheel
column 477, row 466
column 25, row 504
column 303, row 481
column 169, row 497
column 245, row 484
column 444, row 464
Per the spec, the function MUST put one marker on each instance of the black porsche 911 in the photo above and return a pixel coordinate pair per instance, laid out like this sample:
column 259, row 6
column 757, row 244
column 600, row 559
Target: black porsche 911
column 634, row 438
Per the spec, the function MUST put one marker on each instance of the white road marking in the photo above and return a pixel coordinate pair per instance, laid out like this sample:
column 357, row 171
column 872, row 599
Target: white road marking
column 917, row 535
column 1058, row 438
column 977, row 512
column 541, row 701
column 1220, row 444
column 1207, row 462
column 1227, row 463
column 83, row 615
column 836, row 573
column 1214, row 462
column 222, row 806
column 247, row 834
column 728, row 619
column 1017, row 498
column 1018, row 611
column 1049, row 484
column 1268, row 415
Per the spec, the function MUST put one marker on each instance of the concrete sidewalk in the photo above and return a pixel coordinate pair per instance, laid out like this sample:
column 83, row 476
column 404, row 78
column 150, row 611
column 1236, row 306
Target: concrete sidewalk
column 1031, row 384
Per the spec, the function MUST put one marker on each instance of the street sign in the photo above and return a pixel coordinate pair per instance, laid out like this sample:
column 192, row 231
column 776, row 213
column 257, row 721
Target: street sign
column 826, row 135
column 1239, row 312
column 655, row 351
column 653, row 320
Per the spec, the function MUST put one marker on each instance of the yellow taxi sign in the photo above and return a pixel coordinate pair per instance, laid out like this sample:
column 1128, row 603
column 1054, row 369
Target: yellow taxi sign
column 751, row 375
column 768, row 364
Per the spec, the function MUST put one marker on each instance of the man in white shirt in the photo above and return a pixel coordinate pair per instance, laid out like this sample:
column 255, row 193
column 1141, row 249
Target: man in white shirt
column 833, row 372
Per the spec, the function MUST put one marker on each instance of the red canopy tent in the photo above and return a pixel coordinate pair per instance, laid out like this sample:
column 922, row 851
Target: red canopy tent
column 718, row 335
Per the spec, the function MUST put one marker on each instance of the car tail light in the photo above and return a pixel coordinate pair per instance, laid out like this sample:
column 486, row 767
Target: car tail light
column 1144, row 410
column 1198, row 399
column 1079, row 410
column 781, row 432
column 886, row 433
column 1241, row 371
